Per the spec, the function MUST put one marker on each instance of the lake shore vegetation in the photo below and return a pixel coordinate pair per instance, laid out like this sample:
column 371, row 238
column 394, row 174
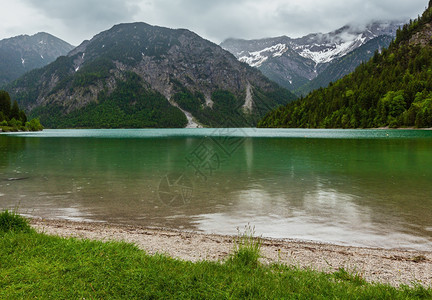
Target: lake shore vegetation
column 12, row 118
column 36, row 265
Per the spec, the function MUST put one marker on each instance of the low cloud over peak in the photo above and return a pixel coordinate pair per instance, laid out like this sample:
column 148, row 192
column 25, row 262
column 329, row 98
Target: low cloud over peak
column 77, row 20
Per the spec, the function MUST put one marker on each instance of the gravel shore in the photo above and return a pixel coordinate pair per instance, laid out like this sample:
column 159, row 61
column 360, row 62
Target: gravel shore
column 394, row 266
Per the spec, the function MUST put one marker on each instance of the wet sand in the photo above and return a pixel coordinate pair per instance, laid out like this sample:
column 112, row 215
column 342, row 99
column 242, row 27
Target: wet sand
column 394, row 266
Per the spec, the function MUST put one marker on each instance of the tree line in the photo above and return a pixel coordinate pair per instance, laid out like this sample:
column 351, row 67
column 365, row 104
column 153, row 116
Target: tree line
column 12, row 118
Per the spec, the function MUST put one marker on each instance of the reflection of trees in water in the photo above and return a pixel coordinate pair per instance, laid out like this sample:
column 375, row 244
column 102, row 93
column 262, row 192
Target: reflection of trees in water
column 105, row 177
column 10, row 149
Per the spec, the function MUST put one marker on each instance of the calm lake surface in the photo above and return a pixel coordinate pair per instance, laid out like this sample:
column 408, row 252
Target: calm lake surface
column 351, row 187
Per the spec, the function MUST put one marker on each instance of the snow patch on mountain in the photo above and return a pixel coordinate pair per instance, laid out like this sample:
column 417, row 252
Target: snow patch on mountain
column 257, row 58
column 291, row 62
column 329, row 52
column 319, row 47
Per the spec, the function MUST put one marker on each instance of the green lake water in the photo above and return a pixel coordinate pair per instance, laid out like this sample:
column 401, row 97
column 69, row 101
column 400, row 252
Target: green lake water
column 352, row 187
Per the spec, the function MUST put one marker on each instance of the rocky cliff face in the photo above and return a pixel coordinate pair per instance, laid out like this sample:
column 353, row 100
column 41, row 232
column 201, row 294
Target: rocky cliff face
column 24, row 53
column 177, row 64
column 293, row 63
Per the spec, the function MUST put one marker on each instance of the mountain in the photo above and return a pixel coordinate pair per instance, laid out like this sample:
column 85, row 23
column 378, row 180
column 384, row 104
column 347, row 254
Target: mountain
column 24, row 53
column 392, row 89
column 295, row 62
column 138, row 75
column 346, row 64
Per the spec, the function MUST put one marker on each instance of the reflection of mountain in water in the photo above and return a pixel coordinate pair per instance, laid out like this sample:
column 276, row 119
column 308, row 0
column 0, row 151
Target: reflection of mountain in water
column 342, row 190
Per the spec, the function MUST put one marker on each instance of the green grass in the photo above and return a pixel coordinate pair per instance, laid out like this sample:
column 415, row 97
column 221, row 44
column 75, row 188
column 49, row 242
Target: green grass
column 13, row 222
column 247, row 249
column 34, row 265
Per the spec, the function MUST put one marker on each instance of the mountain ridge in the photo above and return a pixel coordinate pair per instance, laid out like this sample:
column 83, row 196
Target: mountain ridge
column 174, row 68
column 293, row 62
column 346, row 64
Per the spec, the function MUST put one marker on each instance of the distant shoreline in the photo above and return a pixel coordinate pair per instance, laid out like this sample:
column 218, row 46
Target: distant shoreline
column 12, row 131
column 378, row 128
column 402, row 128
column 390, row 266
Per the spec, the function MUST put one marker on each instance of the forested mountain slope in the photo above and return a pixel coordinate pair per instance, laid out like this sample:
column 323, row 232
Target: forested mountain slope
column 393, row 89
column 137, row 75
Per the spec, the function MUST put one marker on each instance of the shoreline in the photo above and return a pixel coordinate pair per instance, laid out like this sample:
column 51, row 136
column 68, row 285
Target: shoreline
column 402, row 128
column 390, row 266
column 375, row 128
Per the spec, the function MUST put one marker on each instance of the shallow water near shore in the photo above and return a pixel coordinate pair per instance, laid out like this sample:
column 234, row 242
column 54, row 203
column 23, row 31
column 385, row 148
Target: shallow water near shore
column 352, row 187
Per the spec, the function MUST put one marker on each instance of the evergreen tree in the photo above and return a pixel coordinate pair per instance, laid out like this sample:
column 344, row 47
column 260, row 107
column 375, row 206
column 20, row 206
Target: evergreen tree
column 23, row 117
column 12, row 118
column 5, row 103
column 15, row 111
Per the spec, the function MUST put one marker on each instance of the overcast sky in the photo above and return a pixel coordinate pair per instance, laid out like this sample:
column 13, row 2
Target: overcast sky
column 216, row 20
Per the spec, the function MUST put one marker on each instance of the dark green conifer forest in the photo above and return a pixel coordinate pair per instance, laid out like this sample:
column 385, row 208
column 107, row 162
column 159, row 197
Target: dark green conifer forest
column 12, row 118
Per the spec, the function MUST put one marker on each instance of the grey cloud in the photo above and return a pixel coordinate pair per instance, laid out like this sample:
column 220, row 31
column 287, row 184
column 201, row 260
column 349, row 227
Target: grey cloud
column 218, row 19
column 81, row 19
column 89, row 10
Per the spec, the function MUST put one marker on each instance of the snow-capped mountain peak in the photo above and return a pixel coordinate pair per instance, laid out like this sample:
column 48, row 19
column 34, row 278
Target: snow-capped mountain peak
column 293, row 62
column 320, row 48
